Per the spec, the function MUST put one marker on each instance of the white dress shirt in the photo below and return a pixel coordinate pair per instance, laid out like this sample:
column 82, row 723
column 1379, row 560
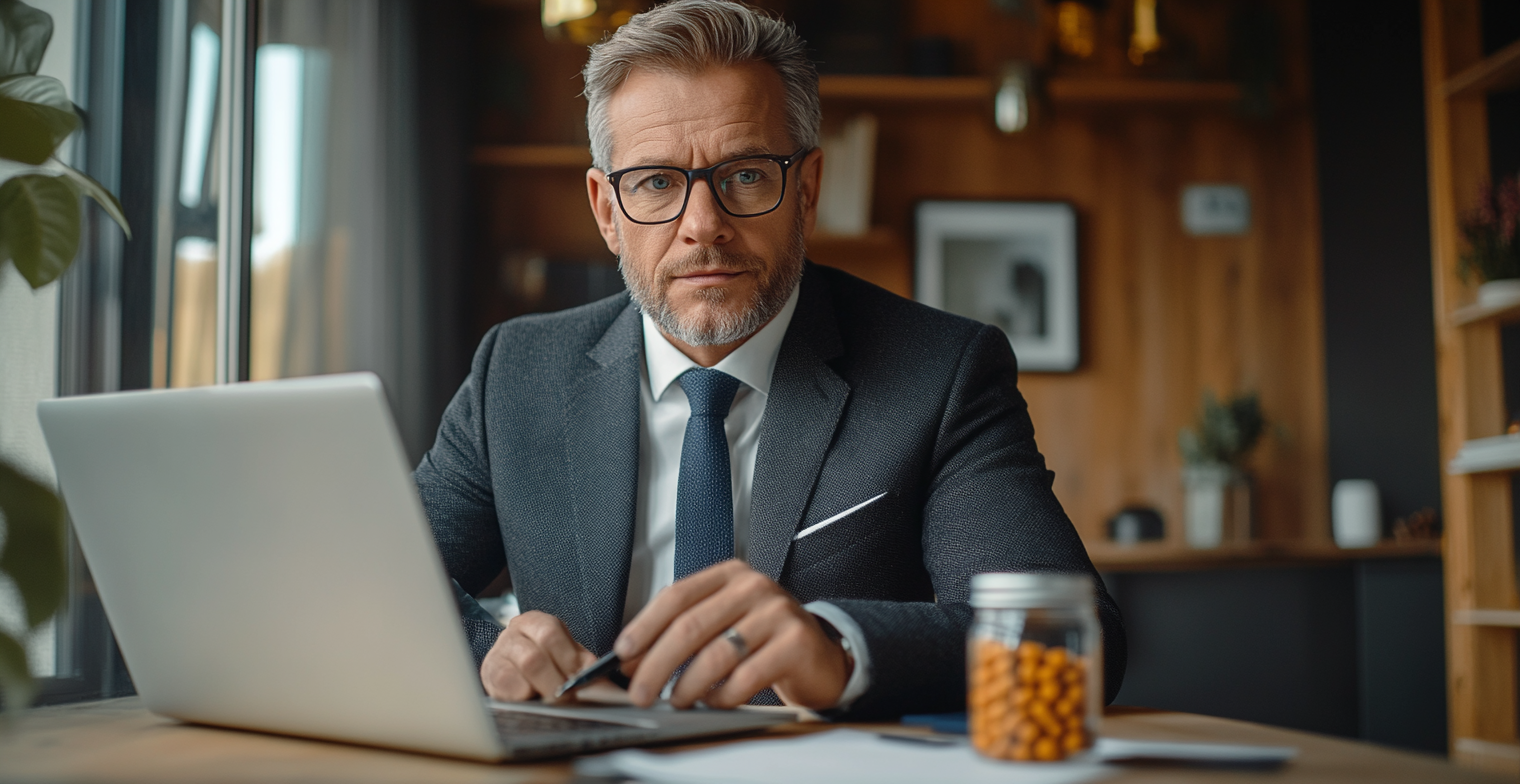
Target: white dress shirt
column 664, row 410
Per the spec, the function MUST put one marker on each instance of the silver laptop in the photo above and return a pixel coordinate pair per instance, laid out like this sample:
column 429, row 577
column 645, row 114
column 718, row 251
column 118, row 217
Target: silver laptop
column 265, row 563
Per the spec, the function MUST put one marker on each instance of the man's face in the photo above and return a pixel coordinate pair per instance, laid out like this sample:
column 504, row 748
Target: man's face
column 707, row 278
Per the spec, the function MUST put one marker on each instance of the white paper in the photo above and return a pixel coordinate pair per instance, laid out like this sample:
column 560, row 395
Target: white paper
column 1116, row 749
column 836, row 757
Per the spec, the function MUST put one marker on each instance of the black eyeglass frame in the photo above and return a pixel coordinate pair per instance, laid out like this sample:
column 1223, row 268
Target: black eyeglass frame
column 692, row 175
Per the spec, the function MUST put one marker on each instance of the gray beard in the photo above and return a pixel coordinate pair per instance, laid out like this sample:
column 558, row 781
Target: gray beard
column 710, row 324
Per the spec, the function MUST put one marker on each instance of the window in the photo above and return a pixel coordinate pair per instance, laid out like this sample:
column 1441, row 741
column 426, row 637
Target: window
column 265, row 155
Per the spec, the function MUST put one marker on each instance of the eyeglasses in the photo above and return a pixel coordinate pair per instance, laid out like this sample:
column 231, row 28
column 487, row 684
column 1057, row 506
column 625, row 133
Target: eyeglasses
column 744, row 187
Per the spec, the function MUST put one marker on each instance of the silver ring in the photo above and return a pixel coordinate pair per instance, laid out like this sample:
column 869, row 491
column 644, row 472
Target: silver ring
column 737, row 640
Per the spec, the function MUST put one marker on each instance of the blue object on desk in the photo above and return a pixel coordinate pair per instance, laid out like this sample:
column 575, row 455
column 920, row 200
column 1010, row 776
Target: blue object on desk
column 947, row 723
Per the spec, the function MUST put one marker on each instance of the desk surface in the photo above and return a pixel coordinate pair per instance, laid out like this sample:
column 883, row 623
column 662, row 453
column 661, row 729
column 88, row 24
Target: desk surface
column 116, row 740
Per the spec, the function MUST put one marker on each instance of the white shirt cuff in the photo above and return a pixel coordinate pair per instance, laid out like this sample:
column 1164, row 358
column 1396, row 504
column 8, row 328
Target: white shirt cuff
column 860, row 677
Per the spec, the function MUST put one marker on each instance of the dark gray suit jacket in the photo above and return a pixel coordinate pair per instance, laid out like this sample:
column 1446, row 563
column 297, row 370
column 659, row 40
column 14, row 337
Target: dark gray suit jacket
column 536, row 469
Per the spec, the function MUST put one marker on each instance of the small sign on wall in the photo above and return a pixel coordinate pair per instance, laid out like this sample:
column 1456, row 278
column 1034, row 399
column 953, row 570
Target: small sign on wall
column 1215, row 210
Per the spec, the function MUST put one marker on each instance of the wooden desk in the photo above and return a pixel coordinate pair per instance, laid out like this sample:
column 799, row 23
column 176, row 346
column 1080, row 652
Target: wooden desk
column 118, row 741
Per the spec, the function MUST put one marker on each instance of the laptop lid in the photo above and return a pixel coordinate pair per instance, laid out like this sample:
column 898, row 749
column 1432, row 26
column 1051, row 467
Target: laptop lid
column 265, row 562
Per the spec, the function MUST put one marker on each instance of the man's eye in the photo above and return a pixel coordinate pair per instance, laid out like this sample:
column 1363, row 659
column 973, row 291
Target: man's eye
column 653, row 182
column 748, row 177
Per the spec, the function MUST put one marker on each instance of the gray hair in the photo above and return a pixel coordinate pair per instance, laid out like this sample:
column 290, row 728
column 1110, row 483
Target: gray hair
column 690, row 36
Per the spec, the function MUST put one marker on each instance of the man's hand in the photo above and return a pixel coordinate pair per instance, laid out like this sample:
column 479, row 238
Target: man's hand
column 533, row 656
column 787, row 647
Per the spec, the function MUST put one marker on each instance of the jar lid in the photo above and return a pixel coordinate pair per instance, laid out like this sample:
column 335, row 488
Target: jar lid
column 1025, row 589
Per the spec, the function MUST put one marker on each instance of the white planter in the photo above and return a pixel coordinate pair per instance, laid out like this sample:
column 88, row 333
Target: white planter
column 1356, row 515
column 1499, row 293
column 1216, row 506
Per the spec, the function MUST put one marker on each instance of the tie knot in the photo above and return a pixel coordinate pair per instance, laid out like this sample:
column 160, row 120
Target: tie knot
column 711, row 392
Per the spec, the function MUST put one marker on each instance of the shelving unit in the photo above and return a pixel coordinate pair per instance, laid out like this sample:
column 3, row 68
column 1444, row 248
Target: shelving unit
column 1482, row 601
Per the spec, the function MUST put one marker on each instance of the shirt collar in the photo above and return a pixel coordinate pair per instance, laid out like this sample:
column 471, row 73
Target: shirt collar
column 752, row 363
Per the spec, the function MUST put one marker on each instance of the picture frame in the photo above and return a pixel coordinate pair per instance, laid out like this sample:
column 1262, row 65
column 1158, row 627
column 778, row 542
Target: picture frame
column 1012, row 264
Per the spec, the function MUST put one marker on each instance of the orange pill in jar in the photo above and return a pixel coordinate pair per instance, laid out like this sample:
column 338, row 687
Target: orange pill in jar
column 1048, row 691
column 1030, row 649
column 1073, row 742
column 1046, row 750
column 1055, row 657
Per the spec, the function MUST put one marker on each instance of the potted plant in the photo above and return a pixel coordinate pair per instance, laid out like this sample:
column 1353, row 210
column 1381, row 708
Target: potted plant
column 1217, row 489
column 1492, row 254
column 39, row 233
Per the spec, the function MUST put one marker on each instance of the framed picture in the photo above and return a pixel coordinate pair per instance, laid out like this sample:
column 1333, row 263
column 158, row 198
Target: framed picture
column 1010, row 264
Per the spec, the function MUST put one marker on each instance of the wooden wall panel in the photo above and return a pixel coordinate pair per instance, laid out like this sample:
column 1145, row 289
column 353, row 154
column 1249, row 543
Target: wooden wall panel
column 1164, row 316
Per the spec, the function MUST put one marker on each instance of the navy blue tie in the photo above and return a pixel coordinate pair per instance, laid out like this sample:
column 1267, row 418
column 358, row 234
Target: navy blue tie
column 704, row 492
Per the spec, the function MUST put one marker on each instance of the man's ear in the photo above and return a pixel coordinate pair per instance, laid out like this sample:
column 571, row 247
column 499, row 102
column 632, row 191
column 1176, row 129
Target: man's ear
column 809, row 183
column 599, row 191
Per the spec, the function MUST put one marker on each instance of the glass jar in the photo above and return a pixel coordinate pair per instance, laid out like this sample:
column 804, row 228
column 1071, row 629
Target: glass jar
column 1034, row 666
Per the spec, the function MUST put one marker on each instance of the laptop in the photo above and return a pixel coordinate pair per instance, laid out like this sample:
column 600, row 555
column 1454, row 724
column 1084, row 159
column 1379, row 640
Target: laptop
column 265, row 563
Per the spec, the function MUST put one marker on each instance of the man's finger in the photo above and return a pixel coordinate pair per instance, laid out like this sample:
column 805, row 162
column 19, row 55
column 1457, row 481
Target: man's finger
column 719, row 658
column 758, row 670
column 650, row 623
column 538, row 667
column 500, row 676
column 554, row 639
column 507, row 684
column 685, row 636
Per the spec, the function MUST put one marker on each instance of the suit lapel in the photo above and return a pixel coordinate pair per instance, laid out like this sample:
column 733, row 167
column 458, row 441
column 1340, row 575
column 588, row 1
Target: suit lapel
column 602, row 451
column 801, row 413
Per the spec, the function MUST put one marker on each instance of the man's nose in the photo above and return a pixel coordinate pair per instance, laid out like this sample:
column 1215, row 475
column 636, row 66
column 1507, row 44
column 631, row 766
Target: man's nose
column 705, row 223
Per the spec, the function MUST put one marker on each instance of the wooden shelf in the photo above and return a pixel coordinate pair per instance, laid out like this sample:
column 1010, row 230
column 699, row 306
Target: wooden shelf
column 1074, row 91
column 1160, row 557
column 1141, row 92
column 1480, row 455
column 1497, row 72
column 1503, row 618
column 523, row 156
column 905, row 89
column 969, row 91
column 1496, row 311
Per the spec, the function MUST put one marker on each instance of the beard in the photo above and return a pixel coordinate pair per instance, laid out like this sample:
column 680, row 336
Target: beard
column 714, row 320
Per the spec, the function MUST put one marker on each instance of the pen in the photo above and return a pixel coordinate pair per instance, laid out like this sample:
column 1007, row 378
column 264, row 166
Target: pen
column 601, row 667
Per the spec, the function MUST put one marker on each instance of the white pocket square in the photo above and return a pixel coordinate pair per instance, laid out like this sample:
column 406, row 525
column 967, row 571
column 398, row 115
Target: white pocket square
column 816, row 527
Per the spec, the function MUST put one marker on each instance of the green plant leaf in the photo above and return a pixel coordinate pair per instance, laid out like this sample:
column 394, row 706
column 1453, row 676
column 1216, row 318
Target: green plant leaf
column 34, row 554
column 39, row 226
column 35, row 117
column 89, row 187
column 15, row 677
column 24, row 35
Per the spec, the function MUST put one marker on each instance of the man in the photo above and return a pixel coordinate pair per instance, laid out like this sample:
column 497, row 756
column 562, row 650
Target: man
column 771, row 469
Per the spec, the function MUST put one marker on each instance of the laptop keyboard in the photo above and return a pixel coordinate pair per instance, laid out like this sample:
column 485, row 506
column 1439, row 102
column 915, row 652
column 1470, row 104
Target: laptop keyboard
column 512, row 723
